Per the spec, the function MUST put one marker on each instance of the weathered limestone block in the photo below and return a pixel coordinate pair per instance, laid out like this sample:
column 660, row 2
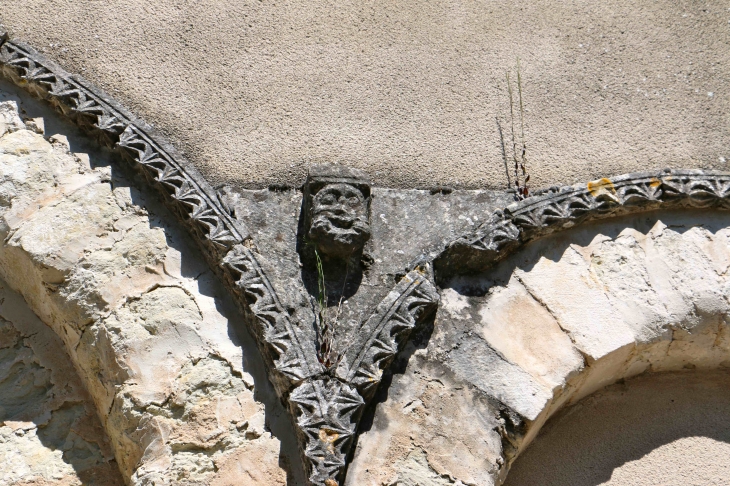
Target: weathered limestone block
column 564, row 317
column 49, row 429
column 139, row 313
column 9, row 118
column 432, row 430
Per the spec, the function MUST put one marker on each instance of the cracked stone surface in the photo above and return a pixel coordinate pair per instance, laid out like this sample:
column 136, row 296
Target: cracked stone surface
column 139, row 314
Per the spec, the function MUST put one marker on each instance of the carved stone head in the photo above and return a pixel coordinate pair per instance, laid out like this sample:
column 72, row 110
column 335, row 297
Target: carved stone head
column 338, row 209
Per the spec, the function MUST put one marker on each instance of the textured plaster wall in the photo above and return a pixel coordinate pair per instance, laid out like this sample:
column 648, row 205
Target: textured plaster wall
column 658, row 429
column 255, row 91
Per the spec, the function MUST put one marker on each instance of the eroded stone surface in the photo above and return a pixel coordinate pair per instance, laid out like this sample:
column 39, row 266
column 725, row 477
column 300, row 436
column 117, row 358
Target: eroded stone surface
column 49, row 429
column 139, row 313
column 358, row 310
column 431, row 430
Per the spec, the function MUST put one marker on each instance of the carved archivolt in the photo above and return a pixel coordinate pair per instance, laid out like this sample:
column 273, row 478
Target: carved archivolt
column 327, row 399
column 327, row 403
column 561, row 208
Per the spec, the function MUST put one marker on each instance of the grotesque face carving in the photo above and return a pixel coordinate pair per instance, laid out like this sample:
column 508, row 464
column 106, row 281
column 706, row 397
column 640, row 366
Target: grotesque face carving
column 339, row 220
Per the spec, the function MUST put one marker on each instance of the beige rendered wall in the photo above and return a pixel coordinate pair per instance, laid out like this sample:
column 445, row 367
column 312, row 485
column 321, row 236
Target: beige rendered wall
column 255, row 91
column 669, row 430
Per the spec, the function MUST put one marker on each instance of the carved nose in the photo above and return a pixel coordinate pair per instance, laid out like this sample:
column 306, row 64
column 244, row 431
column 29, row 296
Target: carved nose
column 340, row 207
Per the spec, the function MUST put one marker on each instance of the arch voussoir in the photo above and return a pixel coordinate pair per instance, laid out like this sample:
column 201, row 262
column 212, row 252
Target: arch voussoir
column 97, row 261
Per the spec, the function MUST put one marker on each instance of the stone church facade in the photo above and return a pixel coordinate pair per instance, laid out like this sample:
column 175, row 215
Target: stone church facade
column 319, row 317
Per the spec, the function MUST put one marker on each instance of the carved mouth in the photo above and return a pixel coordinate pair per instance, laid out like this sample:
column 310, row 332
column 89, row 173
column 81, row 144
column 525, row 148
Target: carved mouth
column 337, row 221
column 338, row 234
column 341, row 222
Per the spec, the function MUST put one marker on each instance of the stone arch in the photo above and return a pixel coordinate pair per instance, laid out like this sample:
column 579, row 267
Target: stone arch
column 511, row 395
column 567, row 315
column 647, row 294
column 139, row 313
column 325, row 411
column 50, row 431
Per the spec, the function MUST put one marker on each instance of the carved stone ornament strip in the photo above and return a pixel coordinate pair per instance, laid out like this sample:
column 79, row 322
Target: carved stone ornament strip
column 383, row 334
column 561, row 208
column 330, row 407
column 326, row 405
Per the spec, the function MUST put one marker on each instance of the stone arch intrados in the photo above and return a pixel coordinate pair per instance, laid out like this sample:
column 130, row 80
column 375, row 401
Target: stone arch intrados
column 661, row 428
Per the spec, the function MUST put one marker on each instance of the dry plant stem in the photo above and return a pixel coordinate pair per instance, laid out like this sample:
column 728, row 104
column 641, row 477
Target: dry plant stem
column 323, row 351
column 514, row 139
column 520, row 160
column 504, row 152
column 523, row 156
column 327, row 328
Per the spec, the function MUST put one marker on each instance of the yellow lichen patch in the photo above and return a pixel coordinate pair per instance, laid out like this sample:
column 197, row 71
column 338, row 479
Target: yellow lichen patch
column 601, row 186
column 328, row 436
column 655, row 182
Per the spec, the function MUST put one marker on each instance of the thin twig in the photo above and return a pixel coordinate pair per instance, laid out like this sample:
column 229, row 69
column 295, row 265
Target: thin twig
column 325, row 341
column 514, row 140
column 523, row 158
column 320, row 279
column 520, row 160
column 504, row 152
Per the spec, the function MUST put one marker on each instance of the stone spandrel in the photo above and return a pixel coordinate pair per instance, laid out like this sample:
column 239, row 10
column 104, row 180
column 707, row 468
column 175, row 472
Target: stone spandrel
column 366, row 295
column 140, row 314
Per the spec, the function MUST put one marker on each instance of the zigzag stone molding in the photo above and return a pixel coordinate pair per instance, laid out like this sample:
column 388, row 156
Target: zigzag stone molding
column 326, row 404
column 562, row 208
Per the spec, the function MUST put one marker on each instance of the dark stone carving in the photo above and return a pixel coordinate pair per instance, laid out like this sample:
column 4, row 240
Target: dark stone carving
column 330, row 406
column 565, row 207
column 326, row 401
column 381, row 336
column 337, row 210
column 327, row 411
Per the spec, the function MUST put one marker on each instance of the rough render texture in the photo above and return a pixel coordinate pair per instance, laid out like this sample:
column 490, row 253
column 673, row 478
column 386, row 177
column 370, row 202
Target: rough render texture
column 667, row 429
column 138, row 312
column 565, row 317
column 254, row 92
column 49, row 429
